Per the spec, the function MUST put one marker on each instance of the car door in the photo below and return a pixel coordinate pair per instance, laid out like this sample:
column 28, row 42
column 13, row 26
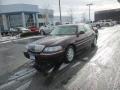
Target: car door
column 81, row 38
column 90, row 34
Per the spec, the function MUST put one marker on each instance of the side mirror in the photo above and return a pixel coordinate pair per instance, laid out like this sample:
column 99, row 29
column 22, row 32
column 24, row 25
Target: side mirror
column 82, row 32
column 95, row 28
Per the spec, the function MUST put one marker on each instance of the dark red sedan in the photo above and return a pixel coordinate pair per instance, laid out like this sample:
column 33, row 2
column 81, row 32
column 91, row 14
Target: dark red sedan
column 34, row 29
column 62, row 45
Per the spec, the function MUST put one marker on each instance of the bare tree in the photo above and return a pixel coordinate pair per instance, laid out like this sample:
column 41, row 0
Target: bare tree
column 70, row 14
column 46, row 16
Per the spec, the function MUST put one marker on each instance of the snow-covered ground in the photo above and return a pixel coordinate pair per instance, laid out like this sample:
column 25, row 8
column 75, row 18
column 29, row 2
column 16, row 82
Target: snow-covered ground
column 7, row 38
column 16, row 38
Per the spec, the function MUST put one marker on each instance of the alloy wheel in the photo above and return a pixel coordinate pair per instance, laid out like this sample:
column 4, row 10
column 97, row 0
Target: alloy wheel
column 70, row 54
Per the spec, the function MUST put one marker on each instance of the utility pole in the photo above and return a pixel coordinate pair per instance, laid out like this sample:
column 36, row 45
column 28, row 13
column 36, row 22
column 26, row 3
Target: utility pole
column 46, row 17
column 1, row 20
column 89, row 5
column 118, row 1
column 60, row 11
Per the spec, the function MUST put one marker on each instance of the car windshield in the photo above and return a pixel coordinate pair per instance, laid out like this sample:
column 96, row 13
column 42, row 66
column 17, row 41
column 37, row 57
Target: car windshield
column 64, row 30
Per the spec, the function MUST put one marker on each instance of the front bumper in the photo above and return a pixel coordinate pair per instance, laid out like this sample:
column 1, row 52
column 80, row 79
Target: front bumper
column 46, row 57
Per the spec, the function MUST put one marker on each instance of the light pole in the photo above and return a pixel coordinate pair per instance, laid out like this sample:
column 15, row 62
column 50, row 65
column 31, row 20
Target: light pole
column 89, row 5
column 60, row 11
column 118, row 1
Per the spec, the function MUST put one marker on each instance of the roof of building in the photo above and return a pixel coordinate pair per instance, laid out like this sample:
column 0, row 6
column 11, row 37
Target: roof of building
column 18, row 8
column 107, row 11
column 43, row 11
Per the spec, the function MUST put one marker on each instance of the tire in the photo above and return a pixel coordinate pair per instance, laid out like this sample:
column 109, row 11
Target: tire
column 98, row 26
column 94, row 44
column 107, row 25
column 69, row 54
column 42, row 33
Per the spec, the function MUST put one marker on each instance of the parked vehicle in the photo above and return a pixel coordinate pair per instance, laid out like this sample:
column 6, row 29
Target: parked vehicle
column 108, row 23
column 4, row 32
column 46, row 29
column 34, row 29
column 112, row 22
column 103, row 23
column 10, row 32
column 97, row 24
column 64, row 42
column 22, row 29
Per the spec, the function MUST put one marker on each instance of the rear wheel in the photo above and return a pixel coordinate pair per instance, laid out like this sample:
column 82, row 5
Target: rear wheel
column 98, row 26
column 42, row 32
column 69, row 54
column 107, row 25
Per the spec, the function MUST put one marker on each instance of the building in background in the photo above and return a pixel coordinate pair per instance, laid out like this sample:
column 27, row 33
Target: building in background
column 113, row 14
column 24, row 15
column 45, row 17
column 65, row 19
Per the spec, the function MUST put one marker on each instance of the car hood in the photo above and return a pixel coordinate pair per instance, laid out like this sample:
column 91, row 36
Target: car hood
column 52, row 40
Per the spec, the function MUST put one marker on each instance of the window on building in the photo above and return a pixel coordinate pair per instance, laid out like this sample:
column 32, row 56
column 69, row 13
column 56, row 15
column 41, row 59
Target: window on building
column 41, row 16
column 50, row 16
column 15, row 20
column 29, row 19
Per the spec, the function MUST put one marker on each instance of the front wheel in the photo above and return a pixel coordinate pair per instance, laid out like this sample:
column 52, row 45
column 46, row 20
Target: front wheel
column 69, row 54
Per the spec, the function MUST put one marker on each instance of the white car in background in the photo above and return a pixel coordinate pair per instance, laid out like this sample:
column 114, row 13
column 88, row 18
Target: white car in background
column 45, row 30
column 22, row 29
column 104, row 23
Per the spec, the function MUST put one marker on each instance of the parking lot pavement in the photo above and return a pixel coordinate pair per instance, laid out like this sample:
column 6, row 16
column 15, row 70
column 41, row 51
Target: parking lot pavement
column 95, row 69
column 11, row 54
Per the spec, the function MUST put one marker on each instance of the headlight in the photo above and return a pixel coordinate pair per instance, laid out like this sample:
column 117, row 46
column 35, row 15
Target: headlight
column 53, row 49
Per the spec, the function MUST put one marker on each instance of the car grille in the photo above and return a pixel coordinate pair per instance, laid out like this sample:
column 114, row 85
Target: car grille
column 35, row 48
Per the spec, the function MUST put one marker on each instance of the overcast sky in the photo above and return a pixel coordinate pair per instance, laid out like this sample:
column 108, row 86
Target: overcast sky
column 78, row 6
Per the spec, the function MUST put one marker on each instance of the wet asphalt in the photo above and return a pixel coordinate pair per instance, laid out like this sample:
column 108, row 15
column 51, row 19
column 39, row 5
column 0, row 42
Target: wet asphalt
column 94, row 69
